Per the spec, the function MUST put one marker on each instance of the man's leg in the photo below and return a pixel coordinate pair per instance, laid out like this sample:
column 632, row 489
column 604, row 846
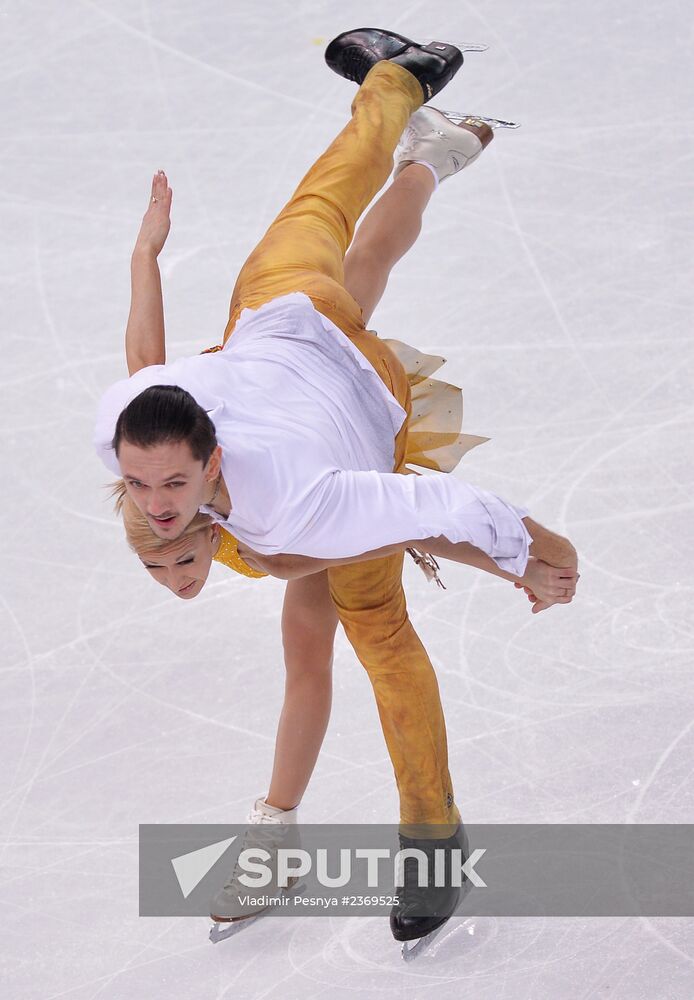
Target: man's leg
column 371, row 604
column 304, row 248
column 303, row 251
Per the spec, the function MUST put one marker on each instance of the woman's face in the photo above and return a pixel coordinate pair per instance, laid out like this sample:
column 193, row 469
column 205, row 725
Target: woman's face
column 184, row 565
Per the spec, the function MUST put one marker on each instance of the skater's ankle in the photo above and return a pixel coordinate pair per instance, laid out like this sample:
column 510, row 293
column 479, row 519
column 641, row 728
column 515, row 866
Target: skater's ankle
column 426, row 175
column 280, row 803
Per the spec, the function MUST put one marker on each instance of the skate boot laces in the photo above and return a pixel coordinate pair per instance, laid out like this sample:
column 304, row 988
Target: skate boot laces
column 258, row 816
column 269, row 840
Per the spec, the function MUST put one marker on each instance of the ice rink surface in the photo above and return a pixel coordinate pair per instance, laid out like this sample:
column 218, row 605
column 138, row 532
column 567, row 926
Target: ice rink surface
column 555, row 277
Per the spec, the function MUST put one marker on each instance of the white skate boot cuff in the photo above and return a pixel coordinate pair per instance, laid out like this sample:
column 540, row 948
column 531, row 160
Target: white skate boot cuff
column 424, row 163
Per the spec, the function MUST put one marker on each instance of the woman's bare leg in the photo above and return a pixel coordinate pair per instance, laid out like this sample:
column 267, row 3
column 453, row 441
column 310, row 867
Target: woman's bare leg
column 309, row 621
column 388, row 231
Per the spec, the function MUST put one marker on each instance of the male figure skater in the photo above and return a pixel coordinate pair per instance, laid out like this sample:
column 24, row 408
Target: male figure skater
column 310, row 412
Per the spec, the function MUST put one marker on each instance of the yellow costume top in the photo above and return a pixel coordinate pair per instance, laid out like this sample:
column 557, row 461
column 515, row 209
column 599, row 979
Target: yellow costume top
column 434, row 441
column 228, row 554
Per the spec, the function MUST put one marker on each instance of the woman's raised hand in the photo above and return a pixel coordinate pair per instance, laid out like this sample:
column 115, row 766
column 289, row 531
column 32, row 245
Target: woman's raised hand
column 156, row 222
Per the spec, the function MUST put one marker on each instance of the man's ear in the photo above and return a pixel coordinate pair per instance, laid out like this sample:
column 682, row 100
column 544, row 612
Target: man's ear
column 214, row 465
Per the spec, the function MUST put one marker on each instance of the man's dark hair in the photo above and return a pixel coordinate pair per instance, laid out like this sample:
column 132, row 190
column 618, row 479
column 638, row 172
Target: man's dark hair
column 163, row 414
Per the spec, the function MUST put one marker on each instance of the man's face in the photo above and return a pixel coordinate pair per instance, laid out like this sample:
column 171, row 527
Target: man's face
column 166, row 483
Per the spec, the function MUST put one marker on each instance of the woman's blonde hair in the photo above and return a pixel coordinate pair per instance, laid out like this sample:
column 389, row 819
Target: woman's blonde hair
column 138, row 533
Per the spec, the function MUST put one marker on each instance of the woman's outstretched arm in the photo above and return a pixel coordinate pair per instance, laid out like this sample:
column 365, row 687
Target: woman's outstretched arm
column 550, row 575
column 145, row 342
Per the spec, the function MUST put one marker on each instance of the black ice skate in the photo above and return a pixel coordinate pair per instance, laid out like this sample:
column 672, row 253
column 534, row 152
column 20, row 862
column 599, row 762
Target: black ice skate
column 353, row 53
column 422, row 911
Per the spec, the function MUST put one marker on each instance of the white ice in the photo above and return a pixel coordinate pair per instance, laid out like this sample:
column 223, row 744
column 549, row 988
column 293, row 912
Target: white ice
column 556, row 278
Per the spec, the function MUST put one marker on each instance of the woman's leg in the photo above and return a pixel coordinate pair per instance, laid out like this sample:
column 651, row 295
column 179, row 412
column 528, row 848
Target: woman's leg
column 388, row 231
column 309, row 621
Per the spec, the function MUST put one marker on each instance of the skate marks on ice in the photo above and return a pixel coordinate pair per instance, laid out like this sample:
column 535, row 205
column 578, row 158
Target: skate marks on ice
column 368, row 943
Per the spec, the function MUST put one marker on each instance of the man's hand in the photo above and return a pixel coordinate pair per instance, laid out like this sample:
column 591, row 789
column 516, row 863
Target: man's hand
column 546, row 585
column 156, row 222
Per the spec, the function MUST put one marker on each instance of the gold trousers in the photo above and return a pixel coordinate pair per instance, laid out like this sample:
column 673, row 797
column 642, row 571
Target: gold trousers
column 303, row 251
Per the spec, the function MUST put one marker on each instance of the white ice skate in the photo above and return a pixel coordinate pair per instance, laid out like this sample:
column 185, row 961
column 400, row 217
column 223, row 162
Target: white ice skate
column 271, row 828
column 447, row 141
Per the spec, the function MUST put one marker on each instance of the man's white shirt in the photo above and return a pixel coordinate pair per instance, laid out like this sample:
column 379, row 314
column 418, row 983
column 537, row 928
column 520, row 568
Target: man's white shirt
column 307, row 430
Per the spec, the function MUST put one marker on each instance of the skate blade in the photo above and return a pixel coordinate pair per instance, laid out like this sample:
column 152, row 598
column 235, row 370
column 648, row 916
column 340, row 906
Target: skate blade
column 410, row 951
column 218, row 934
column 422, row 943
column 494, row 123
column 221, row 930
column 469, row 46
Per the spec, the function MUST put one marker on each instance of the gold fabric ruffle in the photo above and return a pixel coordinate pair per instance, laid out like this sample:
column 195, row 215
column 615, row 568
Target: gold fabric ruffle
column 434, row 439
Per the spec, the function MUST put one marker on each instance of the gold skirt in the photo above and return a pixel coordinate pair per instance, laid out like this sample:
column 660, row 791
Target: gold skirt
column 434, row 441
column 434, row 438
